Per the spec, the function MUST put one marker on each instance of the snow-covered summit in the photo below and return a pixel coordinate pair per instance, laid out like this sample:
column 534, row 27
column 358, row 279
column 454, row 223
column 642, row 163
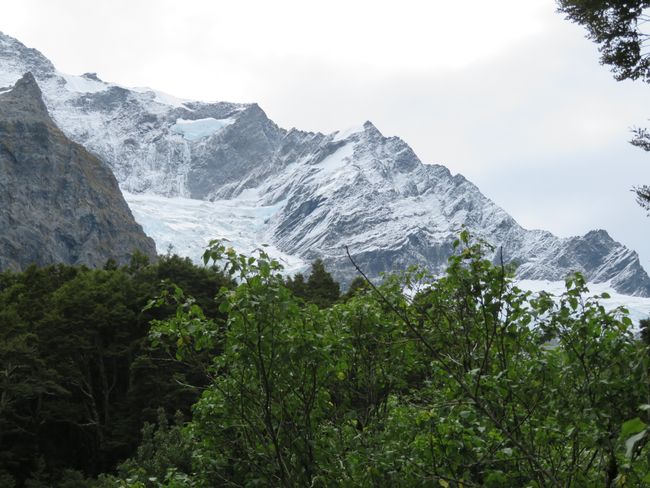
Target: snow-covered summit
column 316, row 193
column 121, row 125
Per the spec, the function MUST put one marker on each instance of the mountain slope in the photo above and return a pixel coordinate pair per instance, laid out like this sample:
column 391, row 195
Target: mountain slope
column 317, row 193
column 59, row 203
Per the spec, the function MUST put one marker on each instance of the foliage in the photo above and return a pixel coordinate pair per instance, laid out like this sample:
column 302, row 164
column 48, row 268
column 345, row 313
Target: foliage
column 358, row 285
column 297, row 285
column 643, row 195
column 319, row 289
column 472, row 382
column 78, row 377
column 256, row 421
column 644, row 327
column 618, row 27
column 164, row 456
column 463, row 380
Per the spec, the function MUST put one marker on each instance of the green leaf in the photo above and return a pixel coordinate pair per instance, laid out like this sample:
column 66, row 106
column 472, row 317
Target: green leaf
column 633, row 426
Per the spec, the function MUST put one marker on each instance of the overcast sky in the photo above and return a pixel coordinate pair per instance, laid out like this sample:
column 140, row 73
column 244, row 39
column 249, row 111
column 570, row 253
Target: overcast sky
column 506, row 92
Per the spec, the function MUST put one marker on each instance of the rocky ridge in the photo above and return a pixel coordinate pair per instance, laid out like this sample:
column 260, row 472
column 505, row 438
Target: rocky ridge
column 355, row 188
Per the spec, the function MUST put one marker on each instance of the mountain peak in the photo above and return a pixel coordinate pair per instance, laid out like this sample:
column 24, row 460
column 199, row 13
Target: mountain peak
column 370, row 129
column 600, row 234
column 27, row 85
column 24, row 99
column 16, row 58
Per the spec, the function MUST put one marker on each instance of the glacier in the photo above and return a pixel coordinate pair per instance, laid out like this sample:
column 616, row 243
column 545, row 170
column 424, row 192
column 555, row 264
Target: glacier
column 185, row 226
column 193, row 130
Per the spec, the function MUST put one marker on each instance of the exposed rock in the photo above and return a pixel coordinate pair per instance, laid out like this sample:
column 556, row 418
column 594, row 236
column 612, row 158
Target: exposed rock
column 58, row 203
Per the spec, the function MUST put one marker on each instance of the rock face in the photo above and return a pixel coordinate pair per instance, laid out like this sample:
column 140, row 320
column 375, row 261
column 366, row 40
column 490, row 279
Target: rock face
column 317, row 193
column 58, row 203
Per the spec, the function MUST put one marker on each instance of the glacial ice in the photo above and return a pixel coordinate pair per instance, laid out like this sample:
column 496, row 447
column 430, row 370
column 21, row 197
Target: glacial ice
column 193, row 130
column 185, row 226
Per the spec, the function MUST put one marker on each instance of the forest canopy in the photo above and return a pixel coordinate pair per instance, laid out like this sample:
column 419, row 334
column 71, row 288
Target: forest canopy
column 465, row 381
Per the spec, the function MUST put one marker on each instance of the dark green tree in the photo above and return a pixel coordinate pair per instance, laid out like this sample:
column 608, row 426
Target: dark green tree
column 78, row 375
column 297, row 285
column 619, row 27
column 644, row 327
column 358, row 285
column 643, row 196
column 321, row 288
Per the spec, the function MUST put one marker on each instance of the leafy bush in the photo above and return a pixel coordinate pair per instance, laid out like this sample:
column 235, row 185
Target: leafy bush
column 472, row 382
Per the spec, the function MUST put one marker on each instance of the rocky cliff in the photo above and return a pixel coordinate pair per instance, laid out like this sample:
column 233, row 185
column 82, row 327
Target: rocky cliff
column 58, row 202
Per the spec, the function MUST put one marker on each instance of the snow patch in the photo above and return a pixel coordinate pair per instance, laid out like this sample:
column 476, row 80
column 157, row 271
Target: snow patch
column 10, row 75
column 341, row 135
column 333, row 169
column 193, row 130
column 81, row 84
column 161, row 97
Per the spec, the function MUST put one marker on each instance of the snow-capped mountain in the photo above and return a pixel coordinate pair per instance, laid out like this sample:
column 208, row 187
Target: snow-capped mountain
column 193, row 171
